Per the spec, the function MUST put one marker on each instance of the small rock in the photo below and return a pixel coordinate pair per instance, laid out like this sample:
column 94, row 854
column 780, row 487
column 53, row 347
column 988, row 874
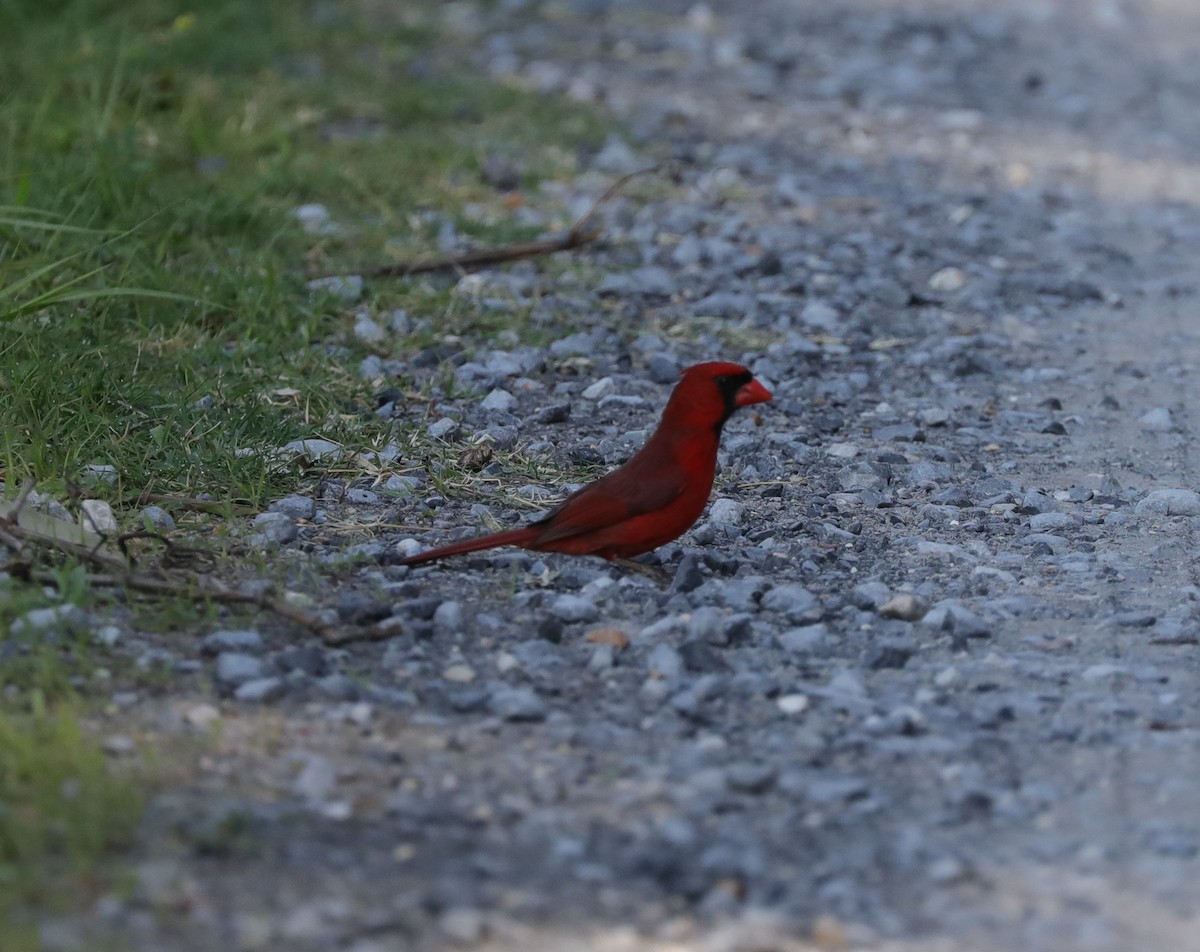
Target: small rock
column 459, row 674
column 613, row 637
column 100, row 473
column 235, row 668
column 108, row 635
column 404, row 487
column 574, row 608
column 462, row 925
column 1159, row 419
column 948, row 280
column 958, row 620
column 602, row 659
column 1099, row 672
column 316, row 779
column 1134, row 619
column 889, row 654
column 97, row 516
column 706, row 625
column 738, row 629
column 274, row 528
column 499, row 400
column 898, row 433
column 699, row 657
column 517, row 704
column 864, row 475
column 947, row 677
column 805, row 640
column 47, row 619
column 1170, row 502
column 601, row 388
column 1052, row 521
column 951, row 496
column 337, row 687
column 727, row 511
column 314, row 450
column 751, row 778
column 573, row 345
column 550, row 629
column 665, row 663
column 662, row 369
column 448, row 619
column 500, row 173
column 688, row 576
column 870, row 596
column 794, row 601
column 367, row 331
column 442, row 429
column 822, row 316
column 306, row 659
column 555, row 413
column 905, row 607
column 260, row 690
column 158, row 518
column 1035, row 501
column 847, row 684
column 346, row 288
column 202, row 716
column 118, row 745
column 243, row 639
column 616, row 157
column 792, row 704
column 314, row 219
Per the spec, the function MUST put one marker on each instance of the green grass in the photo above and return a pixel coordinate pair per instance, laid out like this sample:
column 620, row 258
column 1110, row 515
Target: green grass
column 62, row 811
column 154, row 156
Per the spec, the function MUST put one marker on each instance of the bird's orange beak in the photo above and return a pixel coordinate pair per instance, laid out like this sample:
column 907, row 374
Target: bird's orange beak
column 752, row 392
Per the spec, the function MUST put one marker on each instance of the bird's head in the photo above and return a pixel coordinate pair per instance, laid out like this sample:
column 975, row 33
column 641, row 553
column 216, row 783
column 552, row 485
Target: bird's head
column 708, row 394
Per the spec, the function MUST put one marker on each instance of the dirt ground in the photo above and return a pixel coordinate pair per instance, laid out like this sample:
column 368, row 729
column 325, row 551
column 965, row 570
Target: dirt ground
column 997, row 209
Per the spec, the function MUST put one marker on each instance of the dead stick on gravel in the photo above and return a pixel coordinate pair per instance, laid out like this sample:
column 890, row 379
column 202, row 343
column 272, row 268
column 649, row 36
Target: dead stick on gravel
column 576, row 236
column 116, row 573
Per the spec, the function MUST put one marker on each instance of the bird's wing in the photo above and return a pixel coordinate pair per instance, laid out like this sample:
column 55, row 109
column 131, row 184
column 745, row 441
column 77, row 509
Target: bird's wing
column 603, row 504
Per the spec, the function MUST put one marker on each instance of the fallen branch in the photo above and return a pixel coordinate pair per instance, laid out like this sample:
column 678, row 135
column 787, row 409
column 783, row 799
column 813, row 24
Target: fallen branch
column 220, row 507
column 118, row 572
column 578, row 235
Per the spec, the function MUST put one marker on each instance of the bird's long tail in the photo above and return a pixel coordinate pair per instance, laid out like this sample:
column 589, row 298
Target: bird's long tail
column 521, row 537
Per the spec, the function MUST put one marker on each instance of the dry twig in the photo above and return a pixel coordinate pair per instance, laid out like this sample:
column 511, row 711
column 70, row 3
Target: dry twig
column 113, row 571
column 578, row 235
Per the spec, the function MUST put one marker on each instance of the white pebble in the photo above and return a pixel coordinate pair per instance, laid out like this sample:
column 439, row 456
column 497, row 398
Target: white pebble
column 601, row 388
column 948, row 279
column 727, row 511
column 1170, row 502
column 499, row 400
column 97, row 516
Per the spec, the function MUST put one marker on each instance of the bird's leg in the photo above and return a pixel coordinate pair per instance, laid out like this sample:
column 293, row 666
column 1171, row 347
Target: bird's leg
column 659, row 574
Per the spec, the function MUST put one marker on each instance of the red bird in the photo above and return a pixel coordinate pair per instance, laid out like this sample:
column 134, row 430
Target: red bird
column 653, row 498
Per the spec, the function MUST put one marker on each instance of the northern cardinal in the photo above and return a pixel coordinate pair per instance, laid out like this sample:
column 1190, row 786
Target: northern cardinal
column 653, row 498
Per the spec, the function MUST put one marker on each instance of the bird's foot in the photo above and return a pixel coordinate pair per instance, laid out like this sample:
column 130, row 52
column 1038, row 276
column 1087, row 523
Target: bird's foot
column 656, row 572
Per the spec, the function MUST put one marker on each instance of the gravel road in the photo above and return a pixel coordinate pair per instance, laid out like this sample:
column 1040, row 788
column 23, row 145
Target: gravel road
column 927, row 676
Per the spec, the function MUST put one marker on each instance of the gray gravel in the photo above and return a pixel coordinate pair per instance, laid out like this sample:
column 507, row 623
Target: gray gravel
column 927, row 674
